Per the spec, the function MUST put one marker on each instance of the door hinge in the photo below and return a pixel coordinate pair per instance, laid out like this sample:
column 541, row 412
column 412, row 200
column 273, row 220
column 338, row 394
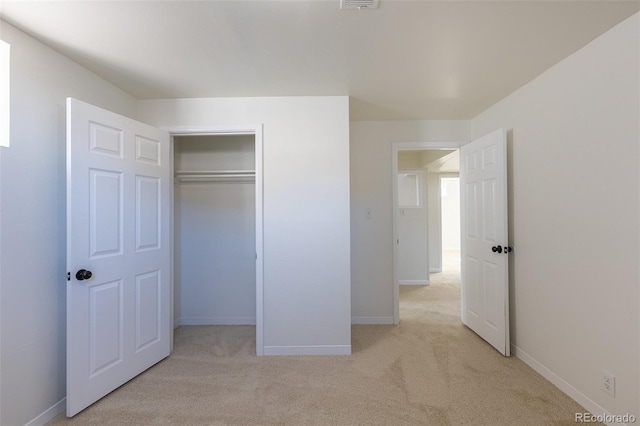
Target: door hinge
column 68, row 276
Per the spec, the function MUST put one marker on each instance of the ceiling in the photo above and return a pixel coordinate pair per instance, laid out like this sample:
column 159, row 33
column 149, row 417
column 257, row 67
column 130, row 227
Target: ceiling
column 405, row 60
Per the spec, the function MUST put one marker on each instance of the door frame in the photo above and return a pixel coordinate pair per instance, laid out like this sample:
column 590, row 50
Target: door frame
column 395, row 148
column 256, row 131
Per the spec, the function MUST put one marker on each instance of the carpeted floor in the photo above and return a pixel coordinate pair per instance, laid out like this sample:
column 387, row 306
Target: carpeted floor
column 429, row 370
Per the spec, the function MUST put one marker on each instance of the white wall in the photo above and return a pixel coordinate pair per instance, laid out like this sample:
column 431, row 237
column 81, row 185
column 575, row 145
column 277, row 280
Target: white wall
column 371, row 190
column 408, row 160
column 32, row 226
column 574, row 212
column 434, row 220
column 413, row 247
column 450, row 205
column 215, row 227
column 306, row 211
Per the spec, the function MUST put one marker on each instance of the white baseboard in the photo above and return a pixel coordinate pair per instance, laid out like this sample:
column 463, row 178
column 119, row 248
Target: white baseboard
column 414, row 282
column 307, row 350
column 218, row 321
column 372, row 320
column 48, row 415
column 590, row 405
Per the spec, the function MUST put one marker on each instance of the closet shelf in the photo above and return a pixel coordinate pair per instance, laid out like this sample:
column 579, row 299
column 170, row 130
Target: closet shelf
column 215, row 176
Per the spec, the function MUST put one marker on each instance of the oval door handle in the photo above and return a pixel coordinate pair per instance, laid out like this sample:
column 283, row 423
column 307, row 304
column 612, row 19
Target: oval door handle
column 83, row 274
column 496, row 249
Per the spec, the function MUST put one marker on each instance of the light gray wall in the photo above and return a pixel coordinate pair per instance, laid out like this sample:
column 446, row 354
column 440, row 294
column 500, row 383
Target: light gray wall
column 32, row 225
column 574, row 185
column 371, row 190
column 307, row 299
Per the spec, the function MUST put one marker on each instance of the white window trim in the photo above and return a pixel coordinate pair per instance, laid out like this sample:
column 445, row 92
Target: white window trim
column 5, row 103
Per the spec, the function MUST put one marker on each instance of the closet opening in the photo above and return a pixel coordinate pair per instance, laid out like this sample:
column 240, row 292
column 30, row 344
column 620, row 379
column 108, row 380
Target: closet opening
column 217, row 230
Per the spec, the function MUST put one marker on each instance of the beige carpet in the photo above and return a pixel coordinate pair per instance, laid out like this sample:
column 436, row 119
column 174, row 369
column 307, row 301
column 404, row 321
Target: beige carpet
column 429, row 370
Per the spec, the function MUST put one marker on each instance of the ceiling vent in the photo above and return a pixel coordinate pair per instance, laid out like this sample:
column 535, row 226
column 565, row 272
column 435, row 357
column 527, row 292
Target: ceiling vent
column 358, row 4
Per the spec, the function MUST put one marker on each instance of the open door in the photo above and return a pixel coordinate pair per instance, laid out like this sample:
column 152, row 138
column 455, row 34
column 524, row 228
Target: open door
column 118, row 251
column 485, row 274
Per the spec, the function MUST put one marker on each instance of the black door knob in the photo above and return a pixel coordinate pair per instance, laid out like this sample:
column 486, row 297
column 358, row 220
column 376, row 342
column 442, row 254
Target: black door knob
column 496, row 249
column 83, row 274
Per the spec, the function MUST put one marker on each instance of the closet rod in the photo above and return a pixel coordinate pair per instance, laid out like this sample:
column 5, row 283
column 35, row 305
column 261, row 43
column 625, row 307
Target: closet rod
column 215, row 173
column 215, row 176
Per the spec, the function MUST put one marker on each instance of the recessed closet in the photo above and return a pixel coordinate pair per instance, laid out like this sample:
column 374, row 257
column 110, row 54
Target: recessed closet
column 214, row 230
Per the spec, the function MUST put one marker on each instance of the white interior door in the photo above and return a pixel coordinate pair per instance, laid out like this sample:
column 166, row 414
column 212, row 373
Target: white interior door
column 118, row 251
column 485, row 285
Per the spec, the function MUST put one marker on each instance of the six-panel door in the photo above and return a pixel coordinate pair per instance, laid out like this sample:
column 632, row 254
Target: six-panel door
column 118, row 320
column 485, row 287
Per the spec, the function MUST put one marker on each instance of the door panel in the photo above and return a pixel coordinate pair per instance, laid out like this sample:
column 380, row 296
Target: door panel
column 471, row 286
column 148, row 301
column 105, row 326
column 485, row 287
column 105, row 213
column 148, row 230
column 118, row 204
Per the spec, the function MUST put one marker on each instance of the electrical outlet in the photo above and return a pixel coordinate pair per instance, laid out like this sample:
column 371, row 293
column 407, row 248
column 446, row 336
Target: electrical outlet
column 609, row 383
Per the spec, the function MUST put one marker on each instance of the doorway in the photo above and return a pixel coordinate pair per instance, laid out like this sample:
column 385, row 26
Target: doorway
column 431, row 160
column 437, row 298
column 439, row 302
column 449, row 198
column 483, row 235
column 218, row 228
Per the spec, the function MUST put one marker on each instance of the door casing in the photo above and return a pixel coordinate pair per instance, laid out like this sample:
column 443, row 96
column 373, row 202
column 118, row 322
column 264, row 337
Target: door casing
column 255, row 130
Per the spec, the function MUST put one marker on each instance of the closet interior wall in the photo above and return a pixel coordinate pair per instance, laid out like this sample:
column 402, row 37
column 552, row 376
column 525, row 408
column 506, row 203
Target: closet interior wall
column 214, row 230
